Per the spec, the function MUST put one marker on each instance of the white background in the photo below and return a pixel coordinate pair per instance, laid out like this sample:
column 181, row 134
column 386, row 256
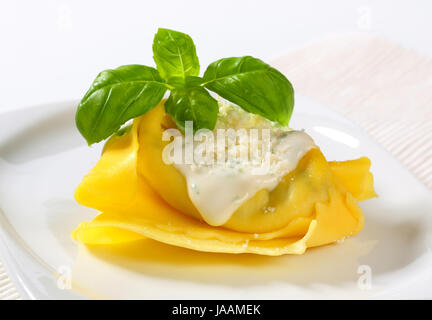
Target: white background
column 52, row 50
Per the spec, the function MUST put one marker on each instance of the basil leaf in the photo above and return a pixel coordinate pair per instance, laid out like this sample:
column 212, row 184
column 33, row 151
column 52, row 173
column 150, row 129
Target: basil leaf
column 187, row 82
column 192, row 104
column 253, row 85
column 115, row 97
column 175, row 54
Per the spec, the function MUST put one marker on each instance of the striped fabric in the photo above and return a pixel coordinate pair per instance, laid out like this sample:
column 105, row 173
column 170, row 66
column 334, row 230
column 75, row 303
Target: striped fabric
column 7, row 289
column 413, row 148
column 384, row 88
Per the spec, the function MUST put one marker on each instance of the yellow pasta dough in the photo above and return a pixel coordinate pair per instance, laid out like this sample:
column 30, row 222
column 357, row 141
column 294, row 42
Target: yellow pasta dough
column 140, row 196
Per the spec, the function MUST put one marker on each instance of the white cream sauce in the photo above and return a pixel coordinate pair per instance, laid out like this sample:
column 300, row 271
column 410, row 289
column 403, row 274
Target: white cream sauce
column 219, row 189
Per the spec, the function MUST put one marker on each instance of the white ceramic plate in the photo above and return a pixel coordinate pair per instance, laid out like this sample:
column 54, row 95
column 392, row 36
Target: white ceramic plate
column 43, row 158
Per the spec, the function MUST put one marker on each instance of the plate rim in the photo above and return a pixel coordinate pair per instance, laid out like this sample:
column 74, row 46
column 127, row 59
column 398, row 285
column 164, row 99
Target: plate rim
column 27, row 288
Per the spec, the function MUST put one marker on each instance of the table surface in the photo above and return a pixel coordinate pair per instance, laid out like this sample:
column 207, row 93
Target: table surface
column 52, row 50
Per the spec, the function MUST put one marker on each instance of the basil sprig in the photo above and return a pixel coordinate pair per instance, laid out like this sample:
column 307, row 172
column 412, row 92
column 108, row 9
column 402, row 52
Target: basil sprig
column 121, row 94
